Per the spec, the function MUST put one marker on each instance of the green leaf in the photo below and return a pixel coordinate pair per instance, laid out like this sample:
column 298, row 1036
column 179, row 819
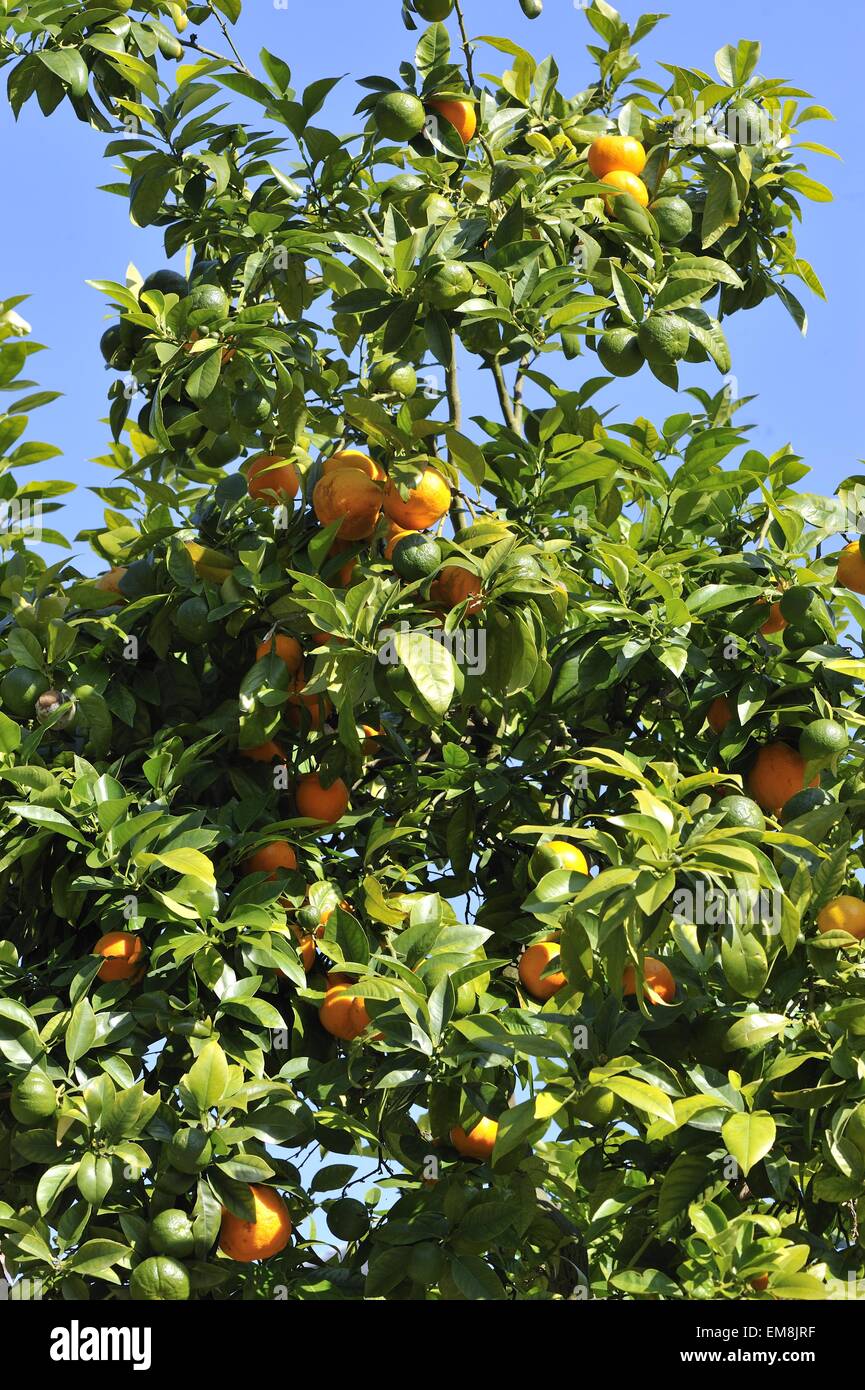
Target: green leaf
column 749, row 1137
column 650, row 1099
column 69, row 66
column 207, row 1078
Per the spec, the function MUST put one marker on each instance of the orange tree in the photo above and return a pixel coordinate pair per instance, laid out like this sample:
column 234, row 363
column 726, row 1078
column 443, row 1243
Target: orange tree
column 447, row 830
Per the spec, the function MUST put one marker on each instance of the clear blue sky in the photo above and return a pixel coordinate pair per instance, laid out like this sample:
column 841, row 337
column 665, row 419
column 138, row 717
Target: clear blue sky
column 59, row 230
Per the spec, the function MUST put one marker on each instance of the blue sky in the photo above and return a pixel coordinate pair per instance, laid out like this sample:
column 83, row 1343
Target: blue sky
column 59, row 230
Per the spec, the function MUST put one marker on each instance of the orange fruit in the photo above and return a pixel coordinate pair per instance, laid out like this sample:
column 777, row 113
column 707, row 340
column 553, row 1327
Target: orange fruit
column 270, row 477
column 610, row 152
column 110, row 582
column 318, row 706
column 306, row 945
column 659, row 986
column 345, row 574
column 843, row 914
column 395, row 534
column 264, row 752
column 288, row 649
column 624, row 182
column 353, row 458
column 777, row 773
column 341, row 1015
column 760, row 1282
column 350, row 495
column 319, row 802
column 533, row 962
column 279, row 854
column 851, row 568
column 266, row 1235
column 775, row 622
column 454, row 585
column 370, row 742
column 719, row 714
column 122, row 953
column 479, row 1142
column 427, row 503
column 462, row 115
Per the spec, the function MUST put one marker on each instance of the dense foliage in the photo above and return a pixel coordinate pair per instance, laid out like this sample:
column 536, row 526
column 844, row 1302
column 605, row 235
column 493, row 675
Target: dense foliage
column 582, row 654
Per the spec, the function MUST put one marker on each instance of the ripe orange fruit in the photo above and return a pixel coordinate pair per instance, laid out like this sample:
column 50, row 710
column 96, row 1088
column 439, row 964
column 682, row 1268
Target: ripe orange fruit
column 264, row 752
column 353, row 458
column 395, row 534
column 462, row 115
column 288, row 649
column 479, row 1142
column 455, row 584
column 427, row 503
column 318, row 706
column 122, row 953
column 266, row 1235
column 279, row 854
column 345, row 574
column 777, row 773
column 321, row 803
column 270, row 477
column 306, row 945
column 760, row 1282
column 370, row 742
column 110, row 582
column 533, row 962
column 843, row 914
column 775, row 622
column 624, row 182
column 659, row 987
column 719, row 714
column 341, row 1015
column 851, row 568
column 610, row 152
column 350, row 495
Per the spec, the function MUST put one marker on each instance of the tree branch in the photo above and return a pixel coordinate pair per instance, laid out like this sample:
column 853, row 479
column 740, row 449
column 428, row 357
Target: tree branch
column 455, row 405
column 467, row 48
column 228, row 39
column 504, row 398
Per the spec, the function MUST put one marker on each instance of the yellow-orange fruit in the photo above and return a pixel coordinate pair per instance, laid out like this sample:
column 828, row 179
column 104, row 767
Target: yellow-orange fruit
column 353, row 458
column 341, row 1015
column 843, row 914
column 264, row 752
column 777, row 773
column 288, row 649
column 350, row 496
column 453, row 585
column 462, row 115
column 623, row 182
column 272, row 478
column 319, row 802
column 851, row 568
column 122, row 954
column 610, row 152
column 533, row 963
column 659, row 987
column 260, row 1238
column 426, row 504
column 719, row 714
column 279, row 854
column 318, row 706
column 775, row 622
column 479, row 1142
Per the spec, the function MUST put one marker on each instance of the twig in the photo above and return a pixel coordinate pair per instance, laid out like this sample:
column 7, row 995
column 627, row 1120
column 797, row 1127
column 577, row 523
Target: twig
column 455, row 405
column 467, row 48
column 228, row 39
column 192, row 42
column 504, row 398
